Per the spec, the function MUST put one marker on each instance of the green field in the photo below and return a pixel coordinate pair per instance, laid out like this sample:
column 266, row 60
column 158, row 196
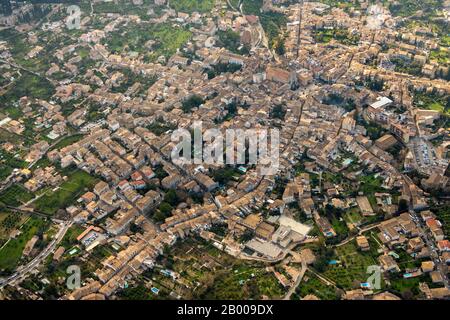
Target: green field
column 436, row 106
column 341, row 35
column 168, row 39
column 243, row 282
column 8, row 222
column 353, row 216
column 311, row 284
column 442, row 56
column 67, row 141
column 11, row 253
column 369, row 184
column 432, row 101
column 222, row 277
column 406, row 287
column 66, row 194
column 71, row 235
column 406, row 8
column 28, row 85
column 8, row 162
column 343, row 4
column 189, row 6
column 352, row 270
column 15, row 195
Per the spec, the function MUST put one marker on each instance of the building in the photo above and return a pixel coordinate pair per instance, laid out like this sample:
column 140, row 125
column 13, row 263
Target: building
column 282, row 76
column 362, row 243
column 388, row 263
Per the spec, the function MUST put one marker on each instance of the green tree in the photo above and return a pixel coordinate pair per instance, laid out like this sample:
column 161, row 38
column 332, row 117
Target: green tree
column 165, row 209
column 171, row 197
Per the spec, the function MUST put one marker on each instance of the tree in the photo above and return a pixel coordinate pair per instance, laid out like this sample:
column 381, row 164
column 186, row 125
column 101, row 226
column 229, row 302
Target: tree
column 51, row 291
column 280, row 47
column 135, row 228
column 407, row 294
column 278, row 112
column 252, row 288
column 193, row 101
column 159, row 216
column 230, row 40
column 324, row 255
column 247, row 236
column 402, row 206
column 232, row 108
column 320, row 264
column 171, row 197
column 223, row 175
column 165, row 209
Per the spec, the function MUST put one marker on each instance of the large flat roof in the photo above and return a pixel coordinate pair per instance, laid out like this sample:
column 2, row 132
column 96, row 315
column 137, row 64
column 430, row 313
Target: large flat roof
column 294, row 225
column 266, row 248
column 381, row 102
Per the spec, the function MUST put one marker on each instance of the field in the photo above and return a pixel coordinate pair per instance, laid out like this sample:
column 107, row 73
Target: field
column 17, row 41
column 406, row 287
column 8, row 162
column 273, row 23
column 11, row 137
column 122, row 7
column 352, row 270
column 15, row 195
column 369, row 184
column 67, row 141
column 8, row 222
column 168, row 39
column 212, row 274
column 311, row 284
column 71, row 235
column 66, row 194
column 353, row 216
column 189, row 6
column 341, row 35
column 11, row 253
column 432, row 102
column 28, row 85
column 406, row 8
column 442, row 56
column 243, row 282
column 343, row 4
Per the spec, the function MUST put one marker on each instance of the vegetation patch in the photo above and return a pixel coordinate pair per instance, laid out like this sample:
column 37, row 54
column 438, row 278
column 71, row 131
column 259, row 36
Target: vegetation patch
column 190, row 6
column 11, row 253
column 66, row 194
column 15, row 195
column 311, row 284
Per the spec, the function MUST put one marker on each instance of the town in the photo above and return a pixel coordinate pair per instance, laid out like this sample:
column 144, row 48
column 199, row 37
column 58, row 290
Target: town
column 358, row 90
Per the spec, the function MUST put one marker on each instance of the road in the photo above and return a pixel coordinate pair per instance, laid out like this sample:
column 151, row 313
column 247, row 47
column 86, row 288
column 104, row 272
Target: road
column 297, row 281
column 28, row 212
column 23, row 271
